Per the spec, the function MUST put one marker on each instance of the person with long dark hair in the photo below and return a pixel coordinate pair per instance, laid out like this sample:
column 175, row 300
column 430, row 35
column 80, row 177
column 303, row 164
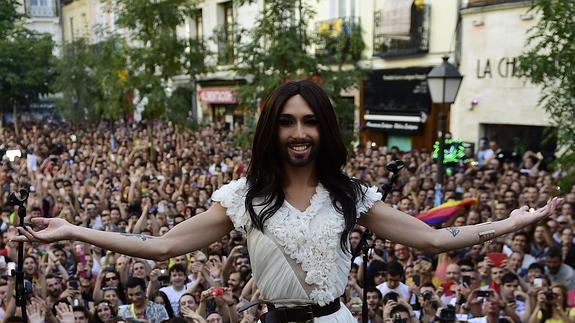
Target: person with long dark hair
column 551, row 306
column 104, row 312
column 161, row 298
column 297, row 207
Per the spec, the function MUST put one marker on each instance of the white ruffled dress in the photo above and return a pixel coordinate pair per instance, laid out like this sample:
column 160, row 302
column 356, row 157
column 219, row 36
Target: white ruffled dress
column 299, row 259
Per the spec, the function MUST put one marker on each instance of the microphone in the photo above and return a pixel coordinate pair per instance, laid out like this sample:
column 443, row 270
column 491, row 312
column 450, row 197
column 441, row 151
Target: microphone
column 395, row 166
column 14, row 200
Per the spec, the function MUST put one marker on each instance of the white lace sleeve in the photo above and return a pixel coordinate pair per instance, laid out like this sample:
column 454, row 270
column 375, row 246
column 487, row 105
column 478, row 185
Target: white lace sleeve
column 371, row 196
column 232, row 197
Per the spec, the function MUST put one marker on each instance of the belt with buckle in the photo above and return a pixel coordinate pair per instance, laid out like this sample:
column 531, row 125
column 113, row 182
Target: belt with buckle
column 299, row 313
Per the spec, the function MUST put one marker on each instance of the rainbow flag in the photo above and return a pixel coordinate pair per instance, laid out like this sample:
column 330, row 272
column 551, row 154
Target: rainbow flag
column 445, row 211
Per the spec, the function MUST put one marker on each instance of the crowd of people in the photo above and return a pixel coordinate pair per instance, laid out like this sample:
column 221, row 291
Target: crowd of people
column 130, row 178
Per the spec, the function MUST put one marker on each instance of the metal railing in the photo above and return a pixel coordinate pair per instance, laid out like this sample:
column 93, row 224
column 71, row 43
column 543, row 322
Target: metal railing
column 483, row 3
column 42, row 11
column 337, row 26
column 416, row 42
column 335, row 36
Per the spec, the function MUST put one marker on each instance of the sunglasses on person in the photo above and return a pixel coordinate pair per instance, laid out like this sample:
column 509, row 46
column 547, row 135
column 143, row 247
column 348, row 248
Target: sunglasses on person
column 106, row 279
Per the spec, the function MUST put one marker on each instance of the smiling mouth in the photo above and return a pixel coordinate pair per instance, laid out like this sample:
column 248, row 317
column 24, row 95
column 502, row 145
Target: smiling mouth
column 299, row 147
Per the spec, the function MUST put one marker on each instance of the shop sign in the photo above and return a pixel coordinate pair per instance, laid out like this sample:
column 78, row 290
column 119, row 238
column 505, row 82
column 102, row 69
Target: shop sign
column 219, row 96
column 395, row 123
column 394, row 126
column 398, row 91
column 504, row 67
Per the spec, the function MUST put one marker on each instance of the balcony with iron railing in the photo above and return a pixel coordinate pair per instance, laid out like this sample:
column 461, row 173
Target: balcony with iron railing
column 225, row 53
column 226, row 49
column 338, row 39
column 46, row 8
column 42, row 12
column 484, row 3
column 416, row 41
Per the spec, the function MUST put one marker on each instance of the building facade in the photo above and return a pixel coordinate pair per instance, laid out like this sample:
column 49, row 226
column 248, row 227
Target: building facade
column 494, row 102
column 216, row 101
column 88, row 19
column 44, row 16
column 405, row 39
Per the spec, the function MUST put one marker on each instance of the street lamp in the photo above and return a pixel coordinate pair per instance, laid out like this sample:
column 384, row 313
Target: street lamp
column 443, row 82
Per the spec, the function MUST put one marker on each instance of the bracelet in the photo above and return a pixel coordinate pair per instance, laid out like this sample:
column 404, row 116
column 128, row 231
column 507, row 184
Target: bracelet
column 485, row 236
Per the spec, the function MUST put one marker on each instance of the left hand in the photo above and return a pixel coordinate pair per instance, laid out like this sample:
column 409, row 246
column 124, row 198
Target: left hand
column 228, row 296
column 521, row 217
column 65, row 313
column 213, row 269
column 191, row 314
column 351, row 281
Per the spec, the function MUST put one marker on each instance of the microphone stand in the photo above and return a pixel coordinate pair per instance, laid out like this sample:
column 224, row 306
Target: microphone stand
column 21, row 291
column 393, row 167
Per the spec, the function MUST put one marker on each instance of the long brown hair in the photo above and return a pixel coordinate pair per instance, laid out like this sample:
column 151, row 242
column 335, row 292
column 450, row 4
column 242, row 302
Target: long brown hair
column 265, row 174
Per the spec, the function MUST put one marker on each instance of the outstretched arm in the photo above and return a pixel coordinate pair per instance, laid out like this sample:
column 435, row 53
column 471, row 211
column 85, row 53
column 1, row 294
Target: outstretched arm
column 192, row 234
column 408, row 230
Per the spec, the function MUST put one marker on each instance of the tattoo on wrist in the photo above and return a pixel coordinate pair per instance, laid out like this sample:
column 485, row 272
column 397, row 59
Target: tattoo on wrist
column 486, row 235
column 140, row 236
column 454, row 231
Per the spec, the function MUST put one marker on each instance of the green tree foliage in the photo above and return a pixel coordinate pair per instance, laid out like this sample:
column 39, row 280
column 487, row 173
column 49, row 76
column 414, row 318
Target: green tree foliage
column 280, row 48
column 25, row 61
column 549, row 61
column 9, row 17
column 93, row 80
column 158, row 55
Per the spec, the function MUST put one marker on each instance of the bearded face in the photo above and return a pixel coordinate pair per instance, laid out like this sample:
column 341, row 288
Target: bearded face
column 298, row 133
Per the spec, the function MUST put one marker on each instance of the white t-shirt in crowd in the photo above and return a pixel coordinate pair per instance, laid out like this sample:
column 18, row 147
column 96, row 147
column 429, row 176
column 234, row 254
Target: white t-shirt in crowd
column 174, row 296
column 401, row 289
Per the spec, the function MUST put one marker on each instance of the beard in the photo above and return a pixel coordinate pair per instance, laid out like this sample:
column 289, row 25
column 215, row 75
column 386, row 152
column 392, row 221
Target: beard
column 54, row 293
column 295, row 159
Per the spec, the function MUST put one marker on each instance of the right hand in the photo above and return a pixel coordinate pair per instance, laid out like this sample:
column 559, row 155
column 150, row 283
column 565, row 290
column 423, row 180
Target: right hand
column 134, row 178
column 257, row 296
column 235, row 252
column 428, row 308
column 541, row 299
column 36, row 312
column 206, row 294
column 473, row 299
column 54, row 229
column 154, row 275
